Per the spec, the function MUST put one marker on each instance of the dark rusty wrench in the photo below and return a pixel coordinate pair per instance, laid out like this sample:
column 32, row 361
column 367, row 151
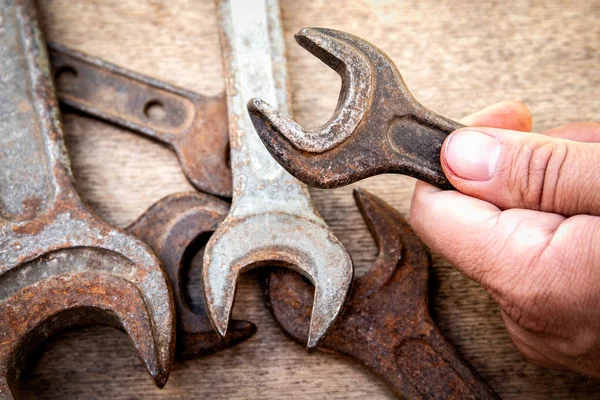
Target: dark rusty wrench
column 386, row 324
column 61, row 265
column 272, row 219
column 378, row 126
column 193, row 125
column 176, row 227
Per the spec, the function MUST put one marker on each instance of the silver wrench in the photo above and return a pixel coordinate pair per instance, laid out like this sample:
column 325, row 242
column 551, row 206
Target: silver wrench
column 272, row 218
column 60, row 264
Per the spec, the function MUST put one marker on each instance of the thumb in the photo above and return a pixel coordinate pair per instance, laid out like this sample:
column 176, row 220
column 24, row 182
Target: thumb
column 513, row 169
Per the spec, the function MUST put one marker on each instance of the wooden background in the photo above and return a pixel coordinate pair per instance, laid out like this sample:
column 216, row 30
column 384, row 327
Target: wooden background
column 456, row 56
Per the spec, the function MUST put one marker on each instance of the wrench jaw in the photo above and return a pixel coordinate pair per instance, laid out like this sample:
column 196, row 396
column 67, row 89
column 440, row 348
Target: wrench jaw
column 344, row 164
column 356, row 93
column 71, row 287
column 326, row 310
column 68, row 301
column 174, row 228
column 277, row 239
column 378, row 127
column 68, row 240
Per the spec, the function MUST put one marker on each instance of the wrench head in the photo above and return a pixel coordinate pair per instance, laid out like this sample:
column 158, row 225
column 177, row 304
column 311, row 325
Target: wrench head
column 113, row 280
column 377, row 127
column 39, row 310
column 277, row 239
column 175, row 228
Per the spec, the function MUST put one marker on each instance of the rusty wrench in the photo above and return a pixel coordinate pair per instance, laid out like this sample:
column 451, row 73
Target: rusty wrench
column 175, row 228
column 60, row 265
column 193, row 125
column 172, row 225
column 272, row 219
column 378, row 126
column 386, row 323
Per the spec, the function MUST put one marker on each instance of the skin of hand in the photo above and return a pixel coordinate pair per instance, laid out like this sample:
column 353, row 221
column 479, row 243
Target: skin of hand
column 524, row 223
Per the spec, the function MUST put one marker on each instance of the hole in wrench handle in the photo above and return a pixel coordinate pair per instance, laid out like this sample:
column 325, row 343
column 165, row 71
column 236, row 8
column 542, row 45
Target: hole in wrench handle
column 193, row 125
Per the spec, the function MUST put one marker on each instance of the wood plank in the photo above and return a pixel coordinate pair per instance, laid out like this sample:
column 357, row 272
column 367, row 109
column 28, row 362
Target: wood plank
column 456, row 56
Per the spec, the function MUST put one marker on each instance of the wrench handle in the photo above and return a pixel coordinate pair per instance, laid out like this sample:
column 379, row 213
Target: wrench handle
column 437, row 371
column 31, row 145
column 127, row 99
column 416, row 143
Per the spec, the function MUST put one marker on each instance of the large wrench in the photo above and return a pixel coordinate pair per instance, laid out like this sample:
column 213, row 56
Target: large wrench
column 386, row 324
column 378, row 126
column 60, row 265
column 173, row 226
column 272, row 219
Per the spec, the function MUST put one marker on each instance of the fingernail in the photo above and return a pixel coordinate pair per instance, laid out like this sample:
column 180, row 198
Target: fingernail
column 472, row 154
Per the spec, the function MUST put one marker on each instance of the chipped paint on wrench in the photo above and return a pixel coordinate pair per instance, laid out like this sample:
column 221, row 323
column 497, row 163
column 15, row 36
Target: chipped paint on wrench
column 272, row 219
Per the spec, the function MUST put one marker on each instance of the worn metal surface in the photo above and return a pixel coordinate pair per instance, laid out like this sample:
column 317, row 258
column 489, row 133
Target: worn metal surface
column 176, row 228
column 386, row 324
column 378, row 127
column 172, row 226
column 60, row 265
column 194, row 126
column 272, row 219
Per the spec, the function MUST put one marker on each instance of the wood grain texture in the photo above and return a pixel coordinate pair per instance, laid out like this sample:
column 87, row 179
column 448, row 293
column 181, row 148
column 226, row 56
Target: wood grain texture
column 456, row 57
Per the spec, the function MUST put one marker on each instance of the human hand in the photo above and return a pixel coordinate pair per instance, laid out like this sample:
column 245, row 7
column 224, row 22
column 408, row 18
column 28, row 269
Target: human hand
column 525, row 225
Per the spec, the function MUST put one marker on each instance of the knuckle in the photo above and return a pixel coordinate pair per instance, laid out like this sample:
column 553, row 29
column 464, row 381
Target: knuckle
column 535, row 173
column 530, row 346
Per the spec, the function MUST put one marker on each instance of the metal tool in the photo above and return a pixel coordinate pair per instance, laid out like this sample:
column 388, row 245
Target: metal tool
column 378, row 126
column 174, row 224
column 272, row 219
column 61, row 265
column 386, row 324
column 176, row 227
column 194, row 126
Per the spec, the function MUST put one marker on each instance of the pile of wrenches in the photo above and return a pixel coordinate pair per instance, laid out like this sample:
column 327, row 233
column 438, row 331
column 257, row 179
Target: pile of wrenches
column 61, row 265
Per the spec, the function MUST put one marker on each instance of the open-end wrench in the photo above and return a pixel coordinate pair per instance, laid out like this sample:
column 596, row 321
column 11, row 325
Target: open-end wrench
column 386, row 324
column 61, row 265
column 172, row 226
column 176, row 227
column 194, row 126
column 272, row 219
column 378, row 126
